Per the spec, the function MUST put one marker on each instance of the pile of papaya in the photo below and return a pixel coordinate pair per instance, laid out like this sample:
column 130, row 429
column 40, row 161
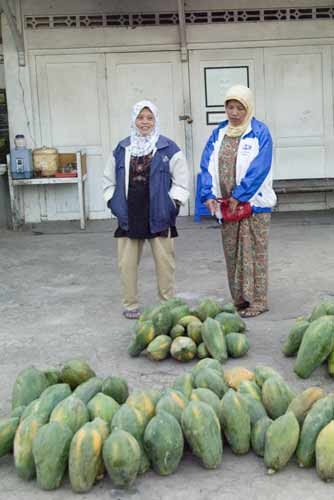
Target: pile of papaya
column 72, row 422
column 174, row 329
column 312, row 340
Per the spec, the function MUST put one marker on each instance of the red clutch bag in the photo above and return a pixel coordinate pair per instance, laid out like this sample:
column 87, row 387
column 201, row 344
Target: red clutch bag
column 243, row 210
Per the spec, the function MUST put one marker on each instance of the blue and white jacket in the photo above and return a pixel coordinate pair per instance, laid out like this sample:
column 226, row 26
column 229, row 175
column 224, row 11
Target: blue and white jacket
column 169, row 181
column 253, row 167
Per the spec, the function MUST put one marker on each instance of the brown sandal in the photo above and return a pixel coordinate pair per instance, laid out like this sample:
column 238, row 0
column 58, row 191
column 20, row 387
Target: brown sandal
column 252, row 312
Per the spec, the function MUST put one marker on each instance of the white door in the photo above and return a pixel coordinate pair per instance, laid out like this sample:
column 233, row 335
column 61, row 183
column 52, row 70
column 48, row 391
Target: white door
column 211, row 73
column 156, row 76
column 299, row 105
column 71, row 96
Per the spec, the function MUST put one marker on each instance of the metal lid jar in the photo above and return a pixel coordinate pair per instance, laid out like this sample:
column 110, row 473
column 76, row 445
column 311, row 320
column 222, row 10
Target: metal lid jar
column 45, row 161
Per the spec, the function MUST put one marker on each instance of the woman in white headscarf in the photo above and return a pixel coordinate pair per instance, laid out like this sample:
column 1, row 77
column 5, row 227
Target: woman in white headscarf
column 236, row 167
column 145, row 183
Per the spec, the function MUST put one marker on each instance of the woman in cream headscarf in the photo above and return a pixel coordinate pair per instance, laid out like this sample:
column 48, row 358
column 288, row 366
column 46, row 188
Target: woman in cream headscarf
column 236, row 165
column 145, row 182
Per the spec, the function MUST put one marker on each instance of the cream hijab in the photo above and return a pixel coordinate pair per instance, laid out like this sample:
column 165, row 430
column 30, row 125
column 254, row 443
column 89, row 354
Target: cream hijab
column 245, row 96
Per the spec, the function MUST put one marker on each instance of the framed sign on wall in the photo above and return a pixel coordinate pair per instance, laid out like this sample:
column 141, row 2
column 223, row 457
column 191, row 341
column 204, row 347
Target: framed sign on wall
column 218, row 80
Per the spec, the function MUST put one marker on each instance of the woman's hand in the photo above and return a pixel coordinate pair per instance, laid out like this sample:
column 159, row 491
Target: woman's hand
column 233, row 203
column 211, row 205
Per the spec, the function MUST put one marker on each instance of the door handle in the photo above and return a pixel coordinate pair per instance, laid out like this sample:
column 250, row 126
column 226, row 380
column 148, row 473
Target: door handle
column 186, row 118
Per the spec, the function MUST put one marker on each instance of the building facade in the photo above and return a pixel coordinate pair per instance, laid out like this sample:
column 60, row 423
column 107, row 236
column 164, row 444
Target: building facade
column 83, row 64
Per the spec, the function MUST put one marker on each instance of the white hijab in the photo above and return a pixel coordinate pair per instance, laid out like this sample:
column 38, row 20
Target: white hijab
column 143, row 145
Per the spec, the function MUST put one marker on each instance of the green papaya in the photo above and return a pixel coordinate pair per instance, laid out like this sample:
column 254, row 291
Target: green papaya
column 50, row 450
column 295, row 337
column 281, row 442
column 202, row 431
column 324, row 452
column 121, row 456
column 235, row 421
column 163, row 442
column 144, row 334
column 316, row 346
column 321, row 413
column 258, row 435
column 214, row 339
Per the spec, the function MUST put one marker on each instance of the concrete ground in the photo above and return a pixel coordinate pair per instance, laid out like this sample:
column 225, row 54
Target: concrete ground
column 59, row 298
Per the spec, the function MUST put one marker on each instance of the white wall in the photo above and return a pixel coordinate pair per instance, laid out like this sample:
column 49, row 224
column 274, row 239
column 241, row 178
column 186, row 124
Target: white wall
column 28, row 114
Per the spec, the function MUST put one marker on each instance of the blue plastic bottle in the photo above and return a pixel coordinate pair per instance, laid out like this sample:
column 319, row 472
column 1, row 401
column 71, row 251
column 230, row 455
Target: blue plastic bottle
column 21, row 165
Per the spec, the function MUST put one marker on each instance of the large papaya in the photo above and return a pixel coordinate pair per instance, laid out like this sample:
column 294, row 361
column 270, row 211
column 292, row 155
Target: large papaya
column 116, row 387
column 250, row 388
column 208, row 308
column 316, row 346
column 295, row 337
column 281, row 442
column 207, row 396
column 121, row 455
column 158, row 349
column 321, row 413
column 324, row 452
column 162, row 319
column 102, row 406
column 76, row 371
column 304, row 401
column 235, row 421
column 24, row 437
column 50, row 450
column 52, row 396
column 8, row 428
column 29, row 385
column 184, row 383
column 143, row 401
column 85, row 457
column 202, row 431
column 237, row 344
column 234, row 376
column 172, row 402
column 276, row 396
column 183, row 349
column 179, row 312
column 144, row 334
column 208, row 363
column 255, row 408
column 325, row 308
column 211, row 379
column 47, row 401
column 163, row 441
column 258, row 435
column 262, row 372
column 71, row 412
column 134, row 422
column 87, row 390
column 231, row 322
column 194, row 331
column 214, row 339
column 202, row 351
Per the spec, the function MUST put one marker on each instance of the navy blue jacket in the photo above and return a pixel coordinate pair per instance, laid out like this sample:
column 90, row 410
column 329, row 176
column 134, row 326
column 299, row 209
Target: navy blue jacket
column 168, row 182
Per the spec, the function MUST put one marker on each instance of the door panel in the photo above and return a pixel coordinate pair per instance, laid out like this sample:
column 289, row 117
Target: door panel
column 207, row 95
column 156, row 76
column 299, row 106
column 73, row 115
